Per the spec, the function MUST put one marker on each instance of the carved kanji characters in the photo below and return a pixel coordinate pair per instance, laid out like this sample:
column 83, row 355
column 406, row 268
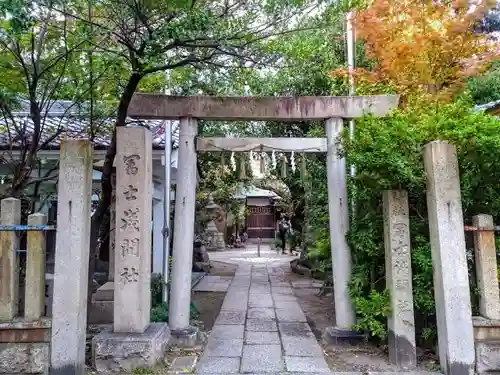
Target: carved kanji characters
column 130, row 247
column 130, row 193
column 130, row 220
column 129, row 275
column 130, row 167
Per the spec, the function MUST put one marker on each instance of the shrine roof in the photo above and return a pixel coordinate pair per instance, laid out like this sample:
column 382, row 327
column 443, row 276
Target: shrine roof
column 255, row 192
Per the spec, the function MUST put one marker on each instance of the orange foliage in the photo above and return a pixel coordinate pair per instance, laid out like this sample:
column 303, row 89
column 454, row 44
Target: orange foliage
column 423, row 47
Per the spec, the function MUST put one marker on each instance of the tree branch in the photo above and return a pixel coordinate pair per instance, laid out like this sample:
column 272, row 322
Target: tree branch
column 184, row 62
column 48, row 176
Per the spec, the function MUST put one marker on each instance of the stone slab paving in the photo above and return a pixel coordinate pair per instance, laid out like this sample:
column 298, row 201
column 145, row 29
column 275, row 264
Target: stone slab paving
column 213, row 284
column 248, row 256
column 231, row 317
column 261, row 329
column 263, row 343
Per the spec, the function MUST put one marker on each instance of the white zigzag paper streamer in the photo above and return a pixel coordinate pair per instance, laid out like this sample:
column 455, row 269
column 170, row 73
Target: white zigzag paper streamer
column 233, row 161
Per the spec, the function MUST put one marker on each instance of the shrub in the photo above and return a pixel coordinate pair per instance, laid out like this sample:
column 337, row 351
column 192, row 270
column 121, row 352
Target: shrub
column 159, row 309
column 388, row 154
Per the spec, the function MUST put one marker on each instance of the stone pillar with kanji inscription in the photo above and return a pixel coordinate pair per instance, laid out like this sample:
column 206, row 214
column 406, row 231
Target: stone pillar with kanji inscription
column 401, row 322
column 134, row 341
column 134, row 190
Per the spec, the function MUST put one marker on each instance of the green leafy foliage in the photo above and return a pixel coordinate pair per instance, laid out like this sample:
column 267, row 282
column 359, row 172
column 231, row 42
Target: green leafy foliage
column 486, row 88
column 159, row 313
column 159, row 309
column 387, row 153
column 372, row 311
column 156, row 290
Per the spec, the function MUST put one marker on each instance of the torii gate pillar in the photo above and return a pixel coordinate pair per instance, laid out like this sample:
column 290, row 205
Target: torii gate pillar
column 182, row 252
column 338, row 209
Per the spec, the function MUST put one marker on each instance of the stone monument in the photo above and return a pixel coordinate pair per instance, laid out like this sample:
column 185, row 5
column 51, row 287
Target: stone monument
column 134, row 342
column 215, row 239
column 401, row 321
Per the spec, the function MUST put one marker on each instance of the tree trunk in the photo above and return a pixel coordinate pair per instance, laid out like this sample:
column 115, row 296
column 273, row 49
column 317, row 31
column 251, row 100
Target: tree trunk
column 105, row 198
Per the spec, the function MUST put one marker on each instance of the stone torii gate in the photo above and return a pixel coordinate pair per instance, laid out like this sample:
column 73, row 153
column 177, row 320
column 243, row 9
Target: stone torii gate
column 332, row 110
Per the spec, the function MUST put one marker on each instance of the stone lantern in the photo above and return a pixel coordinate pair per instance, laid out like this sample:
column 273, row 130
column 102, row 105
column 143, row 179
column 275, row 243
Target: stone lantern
column 215, row 239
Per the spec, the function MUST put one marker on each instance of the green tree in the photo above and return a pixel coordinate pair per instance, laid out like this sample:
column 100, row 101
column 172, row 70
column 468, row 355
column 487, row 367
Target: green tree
column 36, row 50
column 156, row 36
column 307, row 58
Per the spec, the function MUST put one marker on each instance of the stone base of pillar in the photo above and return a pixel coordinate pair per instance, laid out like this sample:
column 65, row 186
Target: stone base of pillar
column 124, row 352
column 101, row 310
column 105, row 292
column 337, row 336
column 17, row 356
column 185, row 338
column 487, row 340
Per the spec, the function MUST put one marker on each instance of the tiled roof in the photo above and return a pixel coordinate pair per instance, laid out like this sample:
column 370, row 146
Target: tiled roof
column 64, row 114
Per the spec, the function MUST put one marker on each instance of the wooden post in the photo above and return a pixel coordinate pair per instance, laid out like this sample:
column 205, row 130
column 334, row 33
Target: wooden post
column 34, row 304
column 9, row 271
column 112, row 229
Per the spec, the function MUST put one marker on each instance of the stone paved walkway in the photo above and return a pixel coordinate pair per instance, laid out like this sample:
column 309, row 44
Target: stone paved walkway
column 261, row 328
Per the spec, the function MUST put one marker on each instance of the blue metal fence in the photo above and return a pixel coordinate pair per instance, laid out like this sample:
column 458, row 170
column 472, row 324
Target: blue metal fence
column 24, row 228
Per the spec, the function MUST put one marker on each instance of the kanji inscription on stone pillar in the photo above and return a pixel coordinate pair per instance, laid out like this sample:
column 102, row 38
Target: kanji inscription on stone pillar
column 133, row 229
column 401, row 324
